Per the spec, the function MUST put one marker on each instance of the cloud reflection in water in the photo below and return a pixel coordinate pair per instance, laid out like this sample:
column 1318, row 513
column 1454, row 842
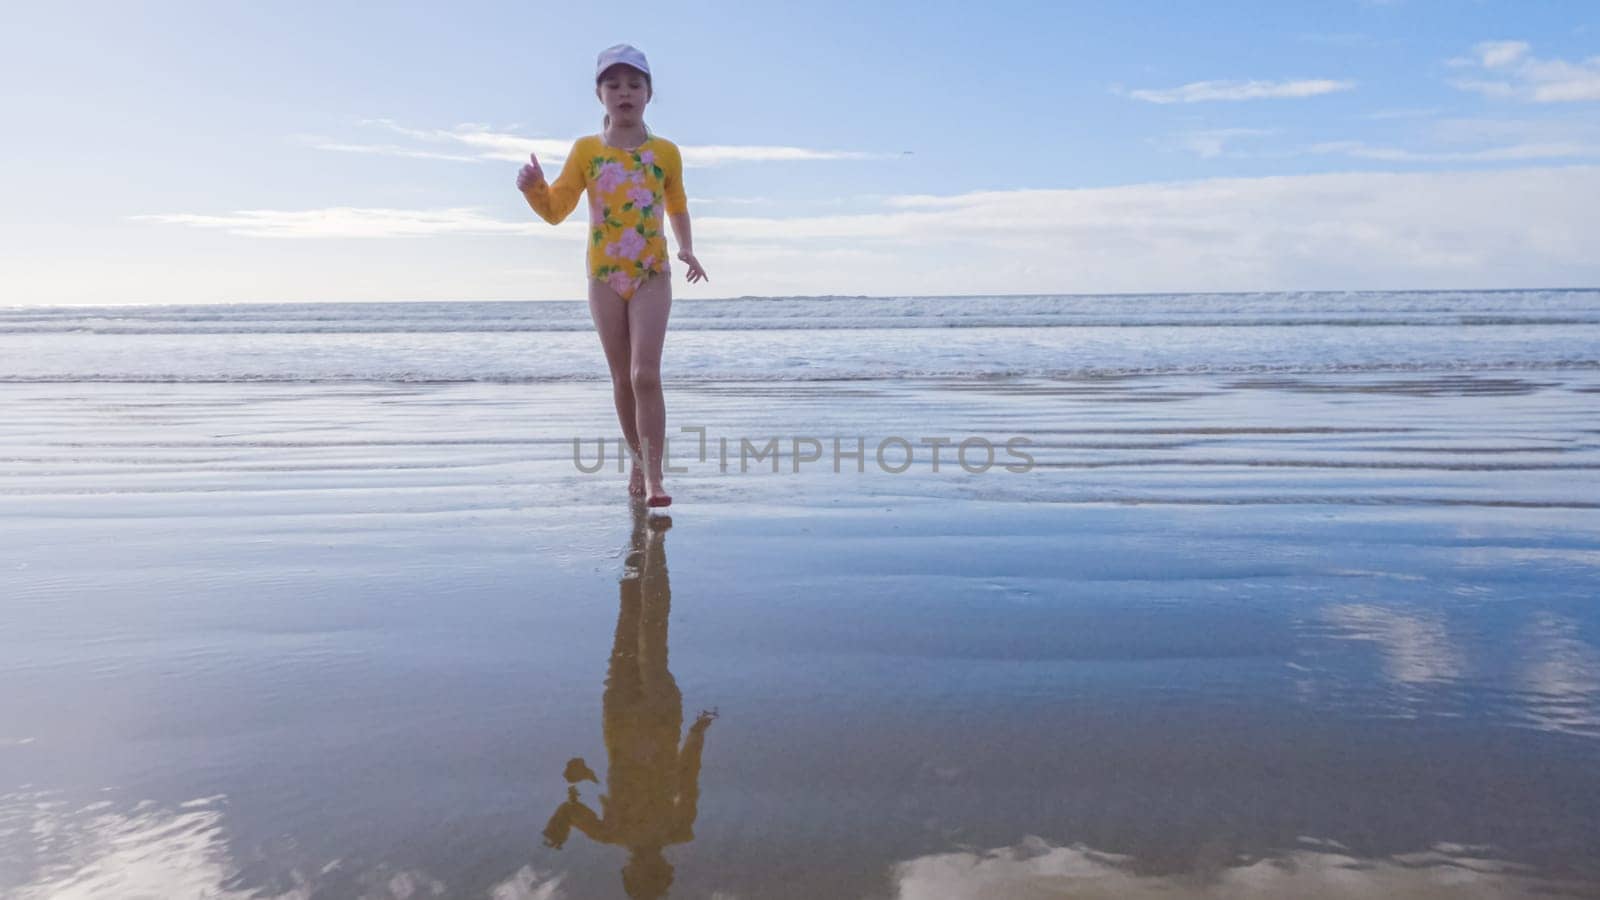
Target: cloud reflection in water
column 53, row 850
column 1417, row 649
column 1561, row 676
column 1035, row 869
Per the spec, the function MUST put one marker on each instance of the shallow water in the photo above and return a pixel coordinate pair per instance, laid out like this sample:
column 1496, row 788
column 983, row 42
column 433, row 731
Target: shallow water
column 1295, row 635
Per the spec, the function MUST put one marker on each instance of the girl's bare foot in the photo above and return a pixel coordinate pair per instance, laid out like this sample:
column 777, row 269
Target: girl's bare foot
column 658, row 496
column 636, row 482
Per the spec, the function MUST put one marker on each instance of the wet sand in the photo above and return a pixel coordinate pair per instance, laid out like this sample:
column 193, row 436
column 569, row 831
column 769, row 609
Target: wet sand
column 1312, row 636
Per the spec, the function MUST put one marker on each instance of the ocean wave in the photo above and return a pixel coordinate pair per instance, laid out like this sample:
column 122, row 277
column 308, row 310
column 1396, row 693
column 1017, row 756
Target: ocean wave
column 809, row 339
column 807, row 375
column 831, row 324
column 1412, row 308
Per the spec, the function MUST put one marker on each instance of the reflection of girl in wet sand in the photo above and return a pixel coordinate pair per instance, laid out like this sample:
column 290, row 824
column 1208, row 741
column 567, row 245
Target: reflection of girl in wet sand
column 653, row 787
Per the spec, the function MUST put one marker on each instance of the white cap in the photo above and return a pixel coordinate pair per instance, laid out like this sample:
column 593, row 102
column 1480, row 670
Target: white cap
column 624, row 54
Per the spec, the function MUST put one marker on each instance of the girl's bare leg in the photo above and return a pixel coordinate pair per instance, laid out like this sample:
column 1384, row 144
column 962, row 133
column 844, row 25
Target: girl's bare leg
column 610, row 314
column 647, row 329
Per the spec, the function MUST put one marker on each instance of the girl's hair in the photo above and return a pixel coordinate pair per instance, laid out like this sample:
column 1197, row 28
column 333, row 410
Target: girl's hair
column 605, row 121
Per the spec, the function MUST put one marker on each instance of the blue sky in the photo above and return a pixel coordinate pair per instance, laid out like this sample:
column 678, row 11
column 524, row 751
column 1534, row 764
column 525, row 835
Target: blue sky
column 199, row 152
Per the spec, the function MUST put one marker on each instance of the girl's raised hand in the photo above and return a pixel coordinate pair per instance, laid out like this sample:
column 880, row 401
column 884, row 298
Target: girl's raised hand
column 530, row 174
column 696, row 272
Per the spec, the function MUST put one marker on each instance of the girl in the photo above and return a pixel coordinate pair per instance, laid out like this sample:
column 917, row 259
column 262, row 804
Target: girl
column 632, row 177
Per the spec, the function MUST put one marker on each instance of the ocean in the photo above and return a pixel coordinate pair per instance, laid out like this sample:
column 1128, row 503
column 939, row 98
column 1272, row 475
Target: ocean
column 807, row 339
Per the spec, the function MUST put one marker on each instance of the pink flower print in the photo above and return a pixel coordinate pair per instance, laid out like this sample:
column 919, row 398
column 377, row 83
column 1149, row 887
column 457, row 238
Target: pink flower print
column 621, row 283
column 641, row 196
column 630, row 245
column 649, row 262
column 611, row 176
column 648, row 157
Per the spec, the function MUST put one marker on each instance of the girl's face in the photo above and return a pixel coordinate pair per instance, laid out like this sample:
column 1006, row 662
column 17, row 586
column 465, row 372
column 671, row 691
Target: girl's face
column 623, row 91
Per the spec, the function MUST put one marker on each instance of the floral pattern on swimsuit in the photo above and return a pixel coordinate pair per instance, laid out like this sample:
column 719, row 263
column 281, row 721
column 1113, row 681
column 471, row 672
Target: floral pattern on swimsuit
column 629, row 193
column 626, row 245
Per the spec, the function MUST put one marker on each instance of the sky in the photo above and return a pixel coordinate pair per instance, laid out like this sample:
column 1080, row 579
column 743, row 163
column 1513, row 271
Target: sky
column 194, row 152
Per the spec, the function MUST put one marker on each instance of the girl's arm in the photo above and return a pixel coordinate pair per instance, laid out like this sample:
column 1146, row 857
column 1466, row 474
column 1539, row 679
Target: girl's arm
column 687, row 807
column 678, row 212
column 680, row 228
column 553, row 202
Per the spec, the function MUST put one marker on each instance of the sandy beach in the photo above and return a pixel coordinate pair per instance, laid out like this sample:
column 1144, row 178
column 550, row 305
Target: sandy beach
column 1230, row 635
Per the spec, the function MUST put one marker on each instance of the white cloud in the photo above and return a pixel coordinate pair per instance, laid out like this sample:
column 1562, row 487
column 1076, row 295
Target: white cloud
column 478, row 143
column 1403, row 113
column 716, row 155
column 1348, row 39
column 1345, row 230
column 1199, row 91
column 487, row 143
column 730, row 201
column 1470, row 140
column 352, row 222
column 1508, row 228
column 1509, row 71
column 1498, row 54
column 385, row 150
column 1509, row 153
column 1212, row 143
column 1582, row 129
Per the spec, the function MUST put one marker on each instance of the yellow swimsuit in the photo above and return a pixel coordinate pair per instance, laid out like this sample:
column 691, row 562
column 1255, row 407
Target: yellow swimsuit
column 628, row 191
